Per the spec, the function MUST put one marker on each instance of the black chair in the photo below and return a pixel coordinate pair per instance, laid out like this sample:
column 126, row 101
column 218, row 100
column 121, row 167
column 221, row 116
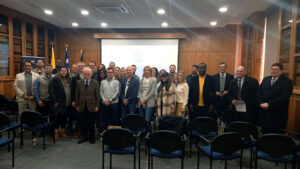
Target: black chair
column 222, row 147
column 35, row 121
column 174, row 123
column 12, row 109
column 249, row 133
column 165, row 144
column 119, row 141
column 3, row 103
column 202, row 126
column 8, row 141
column 135, row 123
column 276, row 148
column 7, row 126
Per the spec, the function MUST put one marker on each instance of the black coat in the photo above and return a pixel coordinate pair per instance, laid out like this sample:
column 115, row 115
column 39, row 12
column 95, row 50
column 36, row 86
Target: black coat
column 57, row 95
column 248, row 95
column 277, row 96
column 73, row 86
column 208, row 91
column 228, row 79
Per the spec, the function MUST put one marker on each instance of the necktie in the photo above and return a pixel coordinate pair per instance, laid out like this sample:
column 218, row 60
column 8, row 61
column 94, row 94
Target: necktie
column 86, row 84
column 273, row 81
column 239, row 90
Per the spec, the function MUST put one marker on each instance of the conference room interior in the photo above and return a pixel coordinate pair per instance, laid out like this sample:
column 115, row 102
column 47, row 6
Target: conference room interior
column 251, row 33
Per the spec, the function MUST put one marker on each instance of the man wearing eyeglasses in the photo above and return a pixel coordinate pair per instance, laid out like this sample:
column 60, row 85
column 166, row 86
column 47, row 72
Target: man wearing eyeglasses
column 273, row 99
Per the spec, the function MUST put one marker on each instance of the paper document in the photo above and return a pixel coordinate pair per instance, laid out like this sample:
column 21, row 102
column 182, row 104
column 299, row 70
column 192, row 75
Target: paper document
column 240, row 106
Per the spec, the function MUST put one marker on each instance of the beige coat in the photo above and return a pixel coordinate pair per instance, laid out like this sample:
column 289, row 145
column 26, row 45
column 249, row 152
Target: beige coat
column 20, row 85
column 169, row 101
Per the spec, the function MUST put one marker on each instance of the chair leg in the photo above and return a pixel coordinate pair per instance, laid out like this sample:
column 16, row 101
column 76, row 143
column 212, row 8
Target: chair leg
column 134, row 161
column 110, row 160
column 13, row 153
column 198, row 158
column 8, row 134
column 148, row 158
column 241, row 159
column 225, row 164
column 151, row 159
column 285, row 165
column 139, row 156
column 21, row 142
column 44, row 139
column 182, row 162
column 190, row 146
column 103, row 158
column 251, row 157
column 255, row 164
column 210, row 163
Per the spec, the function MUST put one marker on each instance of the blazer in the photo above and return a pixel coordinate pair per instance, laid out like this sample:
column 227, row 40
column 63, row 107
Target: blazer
column 57, row 94
column 150, row 97
column 20, row 85
column 208, row 91
column 277, row 96
column 132, row 90
column 89, row 97
column 248, row 95
column 228, row 79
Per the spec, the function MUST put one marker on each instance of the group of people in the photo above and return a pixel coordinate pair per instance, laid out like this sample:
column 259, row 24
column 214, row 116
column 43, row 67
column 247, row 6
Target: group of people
column 86, row 96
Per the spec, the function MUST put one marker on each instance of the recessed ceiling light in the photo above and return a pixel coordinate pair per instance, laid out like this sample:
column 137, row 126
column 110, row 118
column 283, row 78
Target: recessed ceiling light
column 164, row 24
column 103, row 24
column 223, row 9
column 290, row 21
column 74, row 24
column 161, row 11
column 48, row 12
column 0, row 24
column 213, row 23
column 84, row 12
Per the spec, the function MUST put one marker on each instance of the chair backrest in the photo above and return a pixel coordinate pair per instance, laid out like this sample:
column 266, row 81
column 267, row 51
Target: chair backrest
column 227, row 143
column 165, row 141
column 118, row 138
column 245, row 129
column 276, row 145
column 32, row 118
column 4, row 120
column 173, row 123
column 3, row 102
column 12, row 106
column 133, row 122
column 204, row 125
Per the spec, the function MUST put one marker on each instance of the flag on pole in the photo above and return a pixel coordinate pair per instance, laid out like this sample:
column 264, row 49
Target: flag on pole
column 67, row 58
column 53, row 59
column 81, row 55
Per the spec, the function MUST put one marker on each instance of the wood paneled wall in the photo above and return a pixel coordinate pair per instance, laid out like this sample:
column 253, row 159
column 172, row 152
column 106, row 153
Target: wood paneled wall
column 209, row 45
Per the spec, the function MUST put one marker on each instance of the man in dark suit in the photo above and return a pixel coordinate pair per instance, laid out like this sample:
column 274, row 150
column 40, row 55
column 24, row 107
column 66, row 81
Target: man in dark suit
column 87, row 104
column 194, row 73
column 273, row 99
column 201, row 93
column 221, row 83
column 243, row 89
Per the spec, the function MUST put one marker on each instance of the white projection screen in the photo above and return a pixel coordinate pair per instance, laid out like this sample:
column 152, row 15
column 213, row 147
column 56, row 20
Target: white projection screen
column 159, row 53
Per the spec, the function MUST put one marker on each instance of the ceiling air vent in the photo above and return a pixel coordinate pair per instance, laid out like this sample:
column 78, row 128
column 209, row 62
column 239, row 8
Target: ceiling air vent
column 105, row 8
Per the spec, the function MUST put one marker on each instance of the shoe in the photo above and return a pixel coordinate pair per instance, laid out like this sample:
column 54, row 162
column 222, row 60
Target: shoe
column 82, row 140
column 63, row 133
column 92, row 141
column 56, row 134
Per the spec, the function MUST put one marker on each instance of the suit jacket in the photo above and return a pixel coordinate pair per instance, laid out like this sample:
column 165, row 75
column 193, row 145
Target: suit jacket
column 277, row 96
column 248, row 95
column 89, row 97
column 73, row 86
column 208, row 91
column 132, row 90
column 20, row 85
column 228, row 79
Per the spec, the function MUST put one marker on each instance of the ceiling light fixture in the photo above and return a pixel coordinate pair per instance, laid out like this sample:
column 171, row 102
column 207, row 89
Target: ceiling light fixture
column 48, row 12
column 84, row 12
column 223, row 9
column 290, row 21
column 164, row 24
column 213, row 23
column 103, row 24
column 74, row 24
column 161, row 11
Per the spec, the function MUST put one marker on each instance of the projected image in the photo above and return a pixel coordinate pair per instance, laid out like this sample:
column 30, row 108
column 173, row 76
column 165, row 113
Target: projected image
column 155, row 53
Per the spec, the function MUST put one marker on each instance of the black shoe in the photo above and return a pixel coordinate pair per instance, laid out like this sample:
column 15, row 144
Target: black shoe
column 82, row 140
column 92, row 140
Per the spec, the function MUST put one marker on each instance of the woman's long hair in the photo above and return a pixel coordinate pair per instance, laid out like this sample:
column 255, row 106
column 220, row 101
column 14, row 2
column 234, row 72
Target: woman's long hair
column 166, row 84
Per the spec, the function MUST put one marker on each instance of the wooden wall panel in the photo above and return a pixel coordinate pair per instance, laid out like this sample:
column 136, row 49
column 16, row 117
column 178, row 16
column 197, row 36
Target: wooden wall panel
column 7, row 88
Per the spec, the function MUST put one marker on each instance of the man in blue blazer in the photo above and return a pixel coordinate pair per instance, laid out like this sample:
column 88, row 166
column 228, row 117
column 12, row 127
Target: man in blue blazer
column 221, row 83
column 129, row 91
column 273, row 99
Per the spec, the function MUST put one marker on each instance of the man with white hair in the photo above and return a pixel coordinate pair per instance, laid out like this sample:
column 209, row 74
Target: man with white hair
column 87, row 99
column 242, row 90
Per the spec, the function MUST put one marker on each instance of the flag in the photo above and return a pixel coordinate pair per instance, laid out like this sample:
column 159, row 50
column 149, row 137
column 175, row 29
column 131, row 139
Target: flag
column 67, row 58
column 53, row 59
column 81, row 55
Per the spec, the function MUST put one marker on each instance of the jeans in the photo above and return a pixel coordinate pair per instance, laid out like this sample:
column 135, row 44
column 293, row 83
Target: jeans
column 111, row 115
column 129, row 109
column 147, row 113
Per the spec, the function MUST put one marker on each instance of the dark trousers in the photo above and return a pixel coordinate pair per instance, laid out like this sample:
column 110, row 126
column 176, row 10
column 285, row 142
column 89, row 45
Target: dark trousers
column 198, row 111
column 87, row 123
column 73, row 118
column 61, row 119
column 111, row 114
column 46, row 109
column 221, row 105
